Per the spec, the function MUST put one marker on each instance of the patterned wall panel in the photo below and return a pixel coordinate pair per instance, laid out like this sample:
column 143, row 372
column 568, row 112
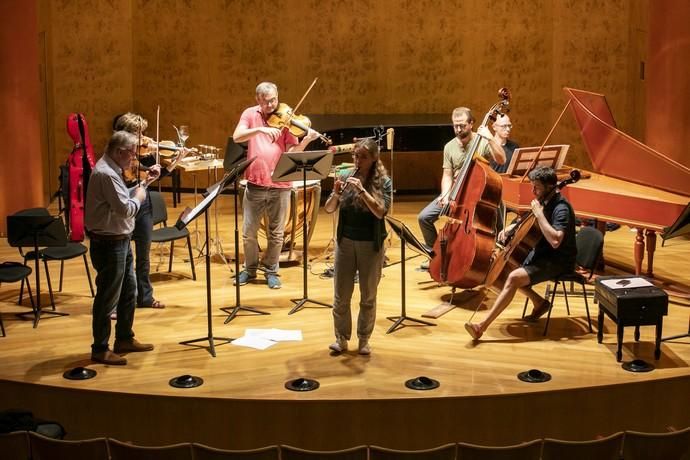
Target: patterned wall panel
column 200, row 60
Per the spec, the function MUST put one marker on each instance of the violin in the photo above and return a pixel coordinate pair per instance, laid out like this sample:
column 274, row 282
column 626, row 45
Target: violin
column 298, row 125
column 148, row 147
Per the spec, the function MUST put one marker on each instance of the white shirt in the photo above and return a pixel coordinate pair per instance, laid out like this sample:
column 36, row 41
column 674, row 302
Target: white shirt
column 110, row 207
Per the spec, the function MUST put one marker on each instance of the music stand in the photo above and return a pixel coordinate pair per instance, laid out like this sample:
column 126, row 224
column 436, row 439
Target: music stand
column 234, row 156
column 187, row 216
column 24, row 230
column 406, row 237
column 314, row 164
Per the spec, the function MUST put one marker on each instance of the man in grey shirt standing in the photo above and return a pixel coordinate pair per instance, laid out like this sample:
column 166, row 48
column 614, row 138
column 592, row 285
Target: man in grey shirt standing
column 109, row 219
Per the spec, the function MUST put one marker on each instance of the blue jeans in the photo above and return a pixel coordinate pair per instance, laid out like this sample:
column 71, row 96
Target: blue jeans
column 143, row 228
column 273, row 202
column 116, row 287
column 426, row 219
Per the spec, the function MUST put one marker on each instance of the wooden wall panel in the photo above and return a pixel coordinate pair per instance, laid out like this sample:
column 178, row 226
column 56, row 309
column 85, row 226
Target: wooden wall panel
column 668, row 79
column 200, row 61
column 21, row 184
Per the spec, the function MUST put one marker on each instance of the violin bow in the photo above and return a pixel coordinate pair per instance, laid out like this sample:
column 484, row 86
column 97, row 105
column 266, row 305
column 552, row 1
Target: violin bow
column 158, row 129
column 294, row 111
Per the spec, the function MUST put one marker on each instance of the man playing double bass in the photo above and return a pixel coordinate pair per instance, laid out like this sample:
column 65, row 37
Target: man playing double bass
column 454, row 156
column 553, row 255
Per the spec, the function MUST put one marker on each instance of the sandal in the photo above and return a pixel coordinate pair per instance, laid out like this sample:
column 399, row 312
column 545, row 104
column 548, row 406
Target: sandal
column 154, row 304
column 473, row 331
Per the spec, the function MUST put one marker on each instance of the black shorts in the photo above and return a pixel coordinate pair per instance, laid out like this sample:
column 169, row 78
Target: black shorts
column 543, row 269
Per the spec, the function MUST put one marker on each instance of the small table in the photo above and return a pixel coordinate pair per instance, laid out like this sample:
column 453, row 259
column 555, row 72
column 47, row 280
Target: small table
column 630, row 301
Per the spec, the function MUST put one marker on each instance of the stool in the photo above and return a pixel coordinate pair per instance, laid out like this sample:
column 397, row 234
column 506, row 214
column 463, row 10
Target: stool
column 630, row 306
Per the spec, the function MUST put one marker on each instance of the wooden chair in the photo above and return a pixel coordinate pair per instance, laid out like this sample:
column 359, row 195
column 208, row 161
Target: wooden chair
column 44, row 448
column 446, row 452
column 167, row 234
column 15, row 446
column 657, row 446
column 124, row 451
column 608, row 448
column 526, row 451
column 202, row 452
column 293, row 453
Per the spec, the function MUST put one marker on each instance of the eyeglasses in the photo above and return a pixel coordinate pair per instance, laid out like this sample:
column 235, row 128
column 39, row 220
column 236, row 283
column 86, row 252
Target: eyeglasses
column 130, row 150
column 505, row 126
column 461, row 125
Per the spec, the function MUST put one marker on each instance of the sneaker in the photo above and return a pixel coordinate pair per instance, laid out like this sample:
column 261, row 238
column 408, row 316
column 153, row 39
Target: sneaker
column 425, row 265
column 339, row 346
column 273, row 281
column 244, row 278
column 364, row 348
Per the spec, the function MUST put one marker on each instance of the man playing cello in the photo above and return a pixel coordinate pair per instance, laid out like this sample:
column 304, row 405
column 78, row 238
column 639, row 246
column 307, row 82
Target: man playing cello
column 553, row 255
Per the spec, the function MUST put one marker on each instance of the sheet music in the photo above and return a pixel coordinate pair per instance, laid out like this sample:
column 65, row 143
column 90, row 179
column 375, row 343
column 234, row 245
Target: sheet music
column 626, row 283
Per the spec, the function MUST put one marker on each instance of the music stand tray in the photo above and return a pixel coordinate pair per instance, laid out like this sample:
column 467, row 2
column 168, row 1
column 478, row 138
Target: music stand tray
column 406, row 238
column 35, row 231
column 311, row 165
column 187, row 216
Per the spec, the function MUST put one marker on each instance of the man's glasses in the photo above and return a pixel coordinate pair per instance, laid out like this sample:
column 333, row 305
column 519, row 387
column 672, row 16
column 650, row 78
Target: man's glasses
column 461, row 125
column 505, row 126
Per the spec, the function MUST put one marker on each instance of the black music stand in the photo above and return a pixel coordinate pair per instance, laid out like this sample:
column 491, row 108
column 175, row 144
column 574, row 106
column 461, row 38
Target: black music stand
column 185, row 218
column 35, row 231
column 406, row 237
column 235, row 157
column 314, row 164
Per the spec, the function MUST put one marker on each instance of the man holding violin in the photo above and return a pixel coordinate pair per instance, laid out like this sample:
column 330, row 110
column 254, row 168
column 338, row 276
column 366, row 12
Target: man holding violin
column 266, row 144
column 553, row 255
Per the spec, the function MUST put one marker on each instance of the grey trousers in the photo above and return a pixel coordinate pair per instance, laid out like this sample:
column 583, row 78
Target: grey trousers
column 352, row 257
column 274, row 203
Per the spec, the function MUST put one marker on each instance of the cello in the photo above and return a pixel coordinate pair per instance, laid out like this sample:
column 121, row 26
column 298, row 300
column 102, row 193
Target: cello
column 80, row 163
column 521, row 231
column 463, row 249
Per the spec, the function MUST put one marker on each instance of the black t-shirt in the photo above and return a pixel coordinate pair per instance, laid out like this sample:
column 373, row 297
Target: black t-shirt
column 509, row 148
column 561, row 216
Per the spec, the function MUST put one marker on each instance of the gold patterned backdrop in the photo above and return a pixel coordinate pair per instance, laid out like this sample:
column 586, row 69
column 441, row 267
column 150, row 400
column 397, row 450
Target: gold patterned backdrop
column 201, row 60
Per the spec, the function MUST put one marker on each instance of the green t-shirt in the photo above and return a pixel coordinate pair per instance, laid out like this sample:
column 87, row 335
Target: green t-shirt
column 454, row 153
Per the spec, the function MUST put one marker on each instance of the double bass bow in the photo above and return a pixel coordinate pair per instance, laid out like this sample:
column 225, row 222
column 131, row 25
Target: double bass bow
column 463, row 249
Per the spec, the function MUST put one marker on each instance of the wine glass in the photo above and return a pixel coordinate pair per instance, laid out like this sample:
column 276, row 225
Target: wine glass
column 183, row 134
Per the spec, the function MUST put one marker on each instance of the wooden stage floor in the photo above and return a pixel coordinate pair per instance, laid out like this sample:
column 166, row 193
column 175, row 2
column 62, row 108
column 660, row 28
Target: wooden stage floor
column 361, row 400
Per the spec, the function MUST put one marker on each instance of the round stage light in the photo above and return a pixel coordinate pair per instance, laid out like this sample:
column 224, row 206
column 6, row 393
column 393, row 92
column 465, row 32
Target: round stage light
column 422, row 383
column 637, row 365
column 302, row 384
column 534, row 376
column 79, row 373
column 186, row 381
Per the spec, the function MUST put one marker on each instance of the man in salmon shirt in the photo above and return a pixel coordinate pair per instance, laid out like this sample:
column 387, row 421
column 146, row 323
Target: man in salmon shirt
column 263, row 195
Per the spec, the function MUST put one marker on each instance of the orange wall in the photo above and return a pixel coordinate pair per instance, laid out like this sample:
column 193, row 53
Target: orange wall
column 668, row 79
column 21, row 169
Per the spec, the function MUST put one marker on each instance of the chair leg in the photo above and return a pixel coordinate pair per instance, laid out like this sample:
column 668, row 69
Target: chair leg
column 88, row 276
column 589, row 319
column 524, row 308
column 50, row 286
column 191, row 257
column 172, row 248
column 2, row 327
column 565, row 294
column 62, row 270
column 548, row 314
column 21, row 293
column 31, row 296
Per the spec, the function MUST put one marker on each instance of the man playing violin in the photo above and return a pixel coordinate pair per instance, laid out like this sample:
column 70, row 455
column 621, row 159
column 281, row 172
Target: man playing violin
column 553, row 255
column 454, row 156
column 143, row 228
column 263, row 195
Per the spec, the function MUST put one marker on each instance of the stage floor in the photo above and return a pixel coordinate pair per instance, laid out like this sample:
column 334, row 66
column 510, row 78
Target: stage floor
column 474, row 376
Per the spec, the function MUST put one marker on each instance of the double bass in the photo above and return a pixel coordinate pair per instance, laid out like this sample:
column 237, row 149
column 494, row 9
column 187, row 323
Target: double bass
column 80, row 163
column 463, row 249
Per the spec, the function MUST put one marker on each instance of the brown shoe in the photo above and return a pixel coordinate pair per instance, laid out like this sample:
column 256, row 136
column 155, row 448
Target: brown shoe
column 108, row 357
column 131, row 346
